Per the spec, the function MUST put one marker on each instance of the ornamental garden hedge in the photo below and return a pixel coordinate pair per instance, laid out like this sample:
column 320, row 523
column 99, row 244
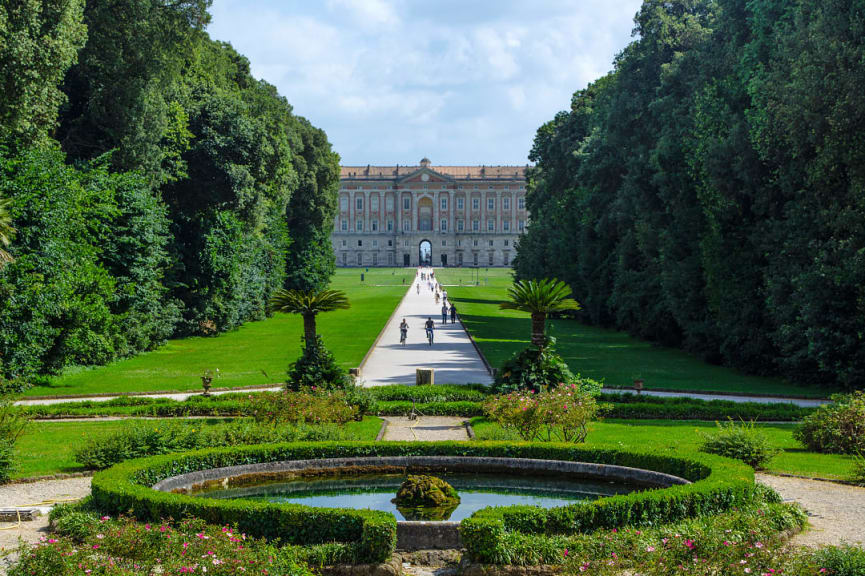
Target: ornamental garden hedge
column 718, row 485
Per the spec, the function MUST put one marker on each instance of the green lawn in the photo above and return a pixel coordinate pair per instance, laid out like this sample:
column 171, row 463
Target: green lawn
column 613, row 357
column 48, row 447
column 254, row 354
column 683, row 436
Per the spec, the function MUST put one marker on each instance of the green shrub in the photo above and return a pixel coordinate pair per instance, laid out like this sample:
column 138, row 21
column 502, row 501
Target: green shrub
column 836, row 428
column 839, row 561
column 535, row 369
column 12, row 425
column 742, row 441
column 857, row 475
column 316, row 368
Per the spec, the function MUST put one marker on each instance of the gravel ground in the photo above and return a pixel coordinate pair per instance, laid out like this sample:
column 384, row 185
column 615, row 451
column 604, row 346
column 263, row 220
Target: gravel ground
column 42, row 495
column 426, row 428
column 836, row 511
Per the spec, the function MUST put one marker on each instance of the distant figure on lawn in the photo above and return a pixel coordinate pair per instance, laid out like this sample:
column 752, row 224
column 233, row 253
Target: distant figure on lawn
column 453, row 314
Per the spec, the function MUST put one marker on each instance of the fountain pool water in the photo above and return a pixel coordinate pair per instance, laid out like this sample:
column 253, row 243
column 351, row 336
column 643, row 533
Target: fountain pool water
column 376, row 490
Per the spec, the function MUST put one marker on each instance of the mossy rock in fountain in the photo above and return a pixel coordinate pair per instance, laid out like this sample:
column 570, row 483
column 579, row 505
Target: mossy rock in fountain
column 426, row 498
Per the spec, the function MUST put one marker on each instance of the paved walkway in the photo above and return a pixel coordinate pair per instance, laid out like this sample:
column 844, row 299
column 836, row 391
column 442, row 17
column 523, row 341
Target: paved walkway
column 452, row 356
column 425, row 429
column 171, row 395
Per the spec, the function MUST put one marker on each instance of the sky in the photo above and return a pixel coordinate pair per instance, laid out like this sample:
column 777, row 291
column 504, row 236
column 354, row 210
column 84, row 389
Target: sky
column 463, row 82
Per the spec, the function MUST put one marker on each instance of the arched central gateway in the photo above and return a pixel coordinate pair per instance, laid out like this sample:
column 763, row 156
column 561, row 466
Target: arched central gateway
column 425, row 253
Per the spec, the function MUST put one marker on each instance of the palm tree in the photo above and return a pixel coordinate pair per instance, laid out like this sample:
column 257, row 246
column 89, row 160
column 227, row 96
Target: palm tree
column 540, row 298
column 6, row 231
column 308, row 304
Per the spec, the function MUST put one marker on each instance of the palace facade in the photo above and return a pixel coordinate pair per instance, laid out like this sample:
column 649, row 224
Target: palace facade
column 425, row 214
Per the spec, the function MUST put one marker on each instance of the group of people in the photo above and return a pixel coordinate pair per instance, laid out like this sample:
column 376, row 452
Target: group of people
column 440, row 295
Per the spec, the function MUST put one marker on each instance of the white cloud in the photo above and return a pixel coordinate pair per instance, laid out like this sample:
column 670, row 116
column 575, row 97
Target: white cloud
column 394, row 80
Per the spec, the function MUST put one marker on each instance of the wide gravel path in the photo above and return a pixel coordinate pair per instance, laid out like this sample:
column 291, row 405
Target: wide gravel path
column 836, row 511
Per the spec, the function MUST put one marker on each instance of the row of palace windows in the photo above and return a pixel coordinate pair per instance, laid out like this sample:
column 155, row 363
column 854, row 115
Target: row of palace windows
column 443, row 225
column 373, row 259
column 459, row 243
column 443, row 203
column 427, row 187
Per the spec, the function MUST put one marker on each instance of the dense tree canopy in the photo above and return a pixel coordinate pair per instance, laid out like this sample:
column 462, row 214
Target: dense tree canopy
column 710, row 191
column 157, row 188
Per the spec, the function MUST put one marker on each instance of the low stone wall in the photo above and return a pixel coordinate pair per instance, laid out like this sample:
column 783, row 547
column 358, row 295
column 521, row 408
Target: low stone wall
column 410, row 464
column 428, row 535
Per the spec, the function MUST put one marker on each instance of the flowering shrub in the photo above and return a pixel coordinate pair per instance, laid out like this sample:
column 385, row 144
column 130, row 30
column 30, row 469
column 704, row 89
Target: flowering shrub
column 560, row 413
column 740, row 441
column 310, row 405
column 836, row 428
column 124, row 547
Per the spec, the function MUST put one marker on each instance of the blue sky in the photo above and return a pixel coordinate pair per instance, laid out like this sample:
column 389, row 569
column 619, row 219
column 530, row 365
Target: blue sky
column 462, row 82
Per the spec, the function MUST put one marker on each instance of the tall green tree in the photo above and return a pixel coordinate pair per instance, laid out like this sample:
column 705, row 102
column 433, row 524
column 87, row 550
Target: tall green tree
column 39, row 40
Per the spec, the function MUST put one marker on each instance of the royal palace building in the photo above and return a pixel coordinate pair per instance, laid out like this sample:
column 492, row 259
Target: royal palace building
column 434, row 215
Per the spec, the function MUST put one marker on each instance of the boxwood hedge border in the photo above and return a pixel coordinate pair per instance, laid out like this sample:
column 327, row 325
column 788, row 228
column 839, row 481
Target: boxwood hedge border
column 718, row 484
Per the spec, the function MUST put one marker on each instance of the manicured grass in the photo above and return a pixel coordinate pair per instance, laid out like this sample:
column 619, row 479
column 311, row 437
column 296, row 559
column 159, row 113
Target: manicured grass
column 613, row 357
column 684, row 436
column 255, row 354
column 48, row 447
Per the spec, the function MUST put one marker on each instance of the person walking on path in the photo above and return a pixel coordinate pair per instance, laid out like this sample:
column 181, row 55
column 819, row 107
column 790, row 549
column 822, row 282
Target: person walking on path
column 403, row 331
column 437, row 297
column 418, row 287
column 430, row 329
column 444, row 313
column 453, row 314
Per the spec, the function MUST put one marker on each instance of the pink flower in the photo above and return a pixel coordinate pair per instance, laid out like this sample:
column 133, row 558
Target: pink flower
column 650, row 548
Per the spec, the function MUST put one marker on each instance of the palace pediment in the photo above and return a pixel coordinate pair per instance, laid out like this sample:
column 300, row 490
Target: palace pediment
column 425, row 176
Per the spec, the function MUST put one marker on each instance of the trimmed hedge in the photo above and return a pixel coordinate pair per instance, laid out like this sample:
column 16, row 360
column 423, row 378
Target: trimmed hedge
column 638, row 406
column 429, row 394
column 447, row 400
column 719, row 485
column 466, row 409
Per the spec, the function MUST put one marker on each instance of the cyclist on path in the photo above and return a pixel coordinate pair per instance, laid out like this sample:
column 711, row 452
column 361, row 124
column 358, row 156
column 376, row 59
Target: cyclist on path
column 403, row 331
column 430, row 330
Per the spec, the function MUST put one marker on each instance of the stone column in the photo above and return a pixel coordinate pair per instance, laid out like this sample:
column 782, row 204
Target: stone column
column 351, row 211
column 366, row 211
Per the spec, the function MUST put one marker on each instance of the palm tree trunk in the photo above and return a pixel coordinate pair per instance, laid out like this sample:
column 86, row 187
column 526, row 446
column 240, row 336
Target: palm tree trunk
column 538, row 325
column 309, row 334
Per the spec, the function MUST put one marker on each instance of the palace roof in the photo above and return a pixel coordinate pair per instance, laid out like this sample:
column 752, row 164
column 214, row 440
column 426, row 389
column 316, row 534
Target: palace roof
column 456, row 172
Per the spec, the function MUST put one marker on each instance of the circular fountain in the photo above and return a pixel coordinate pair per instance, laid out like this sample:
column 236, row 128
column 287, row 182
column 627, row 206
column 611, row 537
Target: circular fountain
column 372, row 482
